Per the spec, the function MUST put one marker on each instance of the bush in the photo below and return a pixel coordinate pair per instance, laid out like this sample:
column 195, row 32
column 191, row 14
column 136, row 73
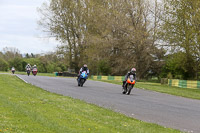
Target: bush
column 103, row 68
column 169, row 76
column 164, row 81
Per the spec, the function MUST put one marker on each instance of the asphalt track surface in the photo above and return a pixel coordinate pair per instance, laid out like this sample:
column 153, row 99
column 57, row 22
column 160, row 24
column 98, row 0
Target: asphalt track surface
column 163, row 109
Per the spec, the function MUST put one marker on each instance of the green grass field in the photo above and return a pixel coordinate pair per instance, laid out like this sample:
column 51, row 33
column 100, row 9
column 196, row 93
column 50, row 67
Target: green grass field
column 183, row 92
column 26, row 108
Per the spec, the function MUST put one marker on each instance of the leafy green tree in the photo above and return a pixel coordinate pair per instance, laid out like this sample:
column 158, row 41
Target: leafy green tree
column 181, row 32
column 17, row 63
column 50, row 68
column 3, row 65
column 27, row 55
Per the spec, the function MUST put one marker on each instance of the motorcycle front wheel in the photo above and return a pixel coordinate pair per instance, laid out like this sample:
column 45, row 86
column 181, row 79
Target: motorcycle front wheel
column 82, row 82
column 129, row 88
column 124, row 90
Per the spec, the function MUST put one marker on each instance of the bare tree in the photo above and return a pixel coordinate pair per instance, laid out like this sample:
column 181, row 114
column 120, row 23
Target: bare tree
column 11, row 53
column 117, row 32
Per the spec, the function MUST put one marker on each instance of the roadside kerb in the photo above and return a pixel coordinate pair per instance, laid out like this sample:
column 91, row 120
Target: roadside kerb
column 22, row 79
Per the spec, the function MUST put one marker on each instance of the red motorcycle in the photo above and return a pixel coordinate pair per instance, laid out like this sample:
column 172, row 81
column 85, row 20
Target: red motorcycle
column 128, row 85
column 34, row 71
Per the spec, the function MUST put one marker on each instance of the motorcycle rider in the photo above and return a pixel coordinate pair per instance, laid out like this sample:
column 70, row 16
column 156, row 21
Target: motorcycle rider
column 84, row 68
column 13, row 70
column 28, row 67
column 34, row 70
column 132, row 72
column 34, row 67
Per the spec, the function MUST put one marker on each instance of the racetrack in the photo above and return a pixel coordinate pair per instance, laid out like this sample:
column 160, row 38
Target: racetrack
column 163, row 109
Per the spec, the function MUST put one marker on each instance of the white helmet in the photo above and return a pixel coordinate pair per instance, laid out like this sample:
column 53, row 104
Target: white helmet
column 133, row 70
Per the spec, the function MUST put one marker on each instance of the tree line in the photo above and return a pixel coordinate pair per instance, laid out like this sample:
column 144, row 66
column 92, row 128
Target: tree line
column 159, row 38
column 47, row 63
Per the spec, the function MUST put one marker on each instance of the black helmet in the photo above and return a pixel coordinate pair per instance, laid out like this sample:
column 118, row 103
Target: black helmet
column 85, row 67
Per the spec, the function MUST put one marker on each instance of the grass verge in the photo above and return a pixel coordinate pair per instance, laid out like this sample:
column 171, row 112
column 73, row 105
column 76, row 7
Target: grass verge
column 24, row 73
column 183, row 92
column 26, row 108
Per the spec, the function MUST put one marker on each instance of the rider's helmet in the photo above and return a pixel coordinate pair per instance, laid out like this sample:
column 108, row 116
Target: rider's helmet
column 34, row 65
column 133, row 70
column 28, row 66
column 85, row 67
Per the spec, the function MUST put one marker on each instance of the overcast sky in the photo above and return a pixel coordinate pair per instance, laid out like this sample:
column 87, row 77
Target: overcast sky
column 18, row 27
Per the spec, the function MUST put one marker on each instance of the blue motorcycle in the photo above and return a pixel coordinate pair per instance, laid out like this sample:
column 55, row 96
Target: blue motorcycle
column 83, row 77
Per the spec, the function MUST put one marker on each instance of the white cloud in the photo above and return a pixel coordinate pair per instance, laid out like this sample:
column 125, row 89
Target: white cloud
column 18, row 27
column 28, row 44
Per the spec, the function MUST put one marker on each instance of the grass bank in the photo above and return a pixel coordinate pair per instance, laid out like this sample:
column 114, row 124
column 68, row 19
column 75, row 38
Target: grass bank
column 26, row 108
column 183, row 92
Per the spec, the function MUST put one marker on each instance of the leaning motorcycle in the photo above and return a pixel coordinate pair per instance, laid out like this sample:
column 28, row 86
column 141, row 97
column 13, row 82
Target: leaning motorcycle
column 83, row 77
column 28, row 71
column 128, row 85
column 34, row 71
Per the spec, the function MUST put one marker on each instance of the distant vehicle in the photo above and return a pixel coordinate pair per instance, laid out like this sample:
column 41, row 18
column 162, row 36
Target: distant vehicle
column 13, row 70
column 83, row 77
column 128, row 85
column 34, row 71
column 28, row 71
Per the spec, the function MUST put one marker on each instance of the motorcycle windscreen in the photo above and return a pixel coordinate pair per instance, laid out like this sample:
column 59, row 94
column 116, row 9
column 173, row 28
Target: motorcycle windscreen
column 84, row 74
column 131, row 78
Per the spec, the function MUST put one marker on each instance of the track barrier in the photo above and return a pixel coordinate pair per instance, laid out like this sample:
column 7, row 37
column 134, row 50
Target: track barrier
column 184, row 83
column 171, row 82
column 116, row 78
